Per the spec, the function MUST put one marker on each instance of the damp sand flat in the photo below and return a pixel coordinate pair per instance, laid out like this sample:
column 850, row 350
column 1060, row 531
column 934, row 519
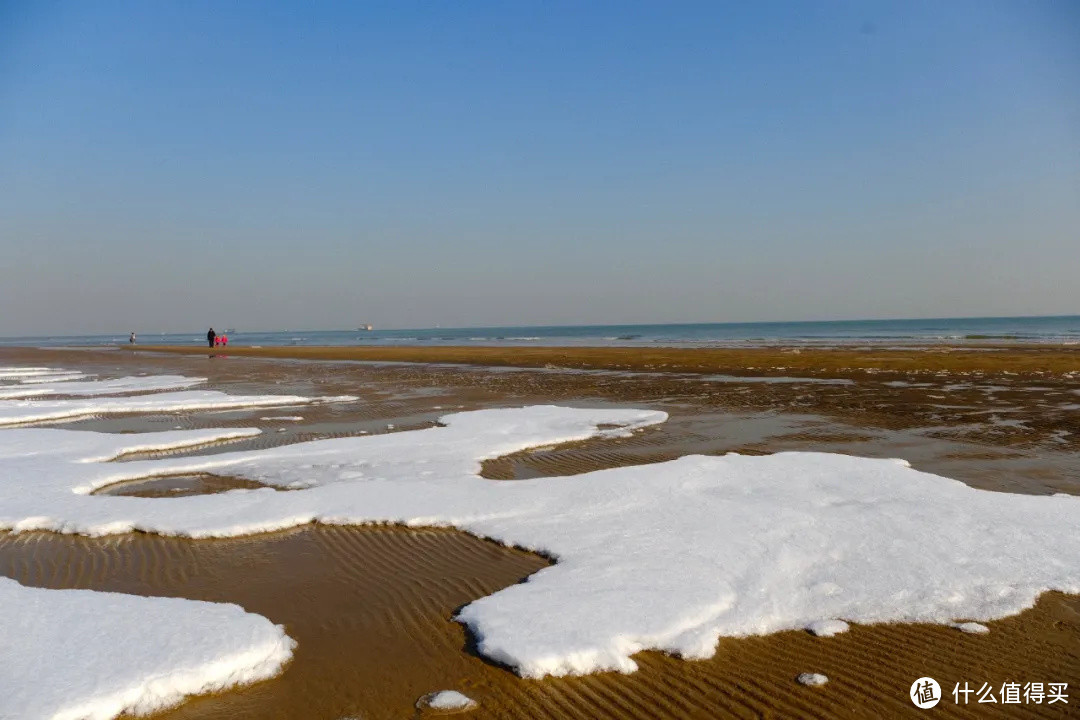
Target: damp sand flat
column 1054, row 358
column 965, row 401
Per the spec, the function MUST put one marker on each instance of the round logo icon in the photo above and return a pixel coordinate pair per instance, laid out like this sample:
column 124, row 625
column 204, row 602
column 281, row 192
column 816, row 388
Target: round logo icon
column 925, row 693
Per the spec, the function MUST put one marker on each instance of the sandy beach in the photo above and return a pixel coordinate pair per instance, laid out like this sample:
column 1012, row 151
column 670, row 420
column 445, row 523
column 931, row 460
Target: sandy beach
column 371, row 607
column 539, row 361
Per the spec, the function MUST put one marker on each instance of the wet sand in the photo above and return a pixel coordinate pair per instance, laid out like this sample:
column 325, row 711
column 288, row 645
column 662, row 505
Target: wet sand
column 966, row 358
column 371, row 607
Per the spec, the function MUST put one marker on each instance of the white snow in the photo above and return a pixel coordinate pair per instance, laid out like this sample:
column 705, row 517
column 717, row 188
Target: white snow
column 972, row 627
column 668, row 556
column 60, row 376
column 15, row 412
column 115, row 386
column 448, row 700
column 23, row 391
column 21, row 372
column 828, row 628
column 773, row 379
column 83, row 655
column 812, row 679
column 282, row 418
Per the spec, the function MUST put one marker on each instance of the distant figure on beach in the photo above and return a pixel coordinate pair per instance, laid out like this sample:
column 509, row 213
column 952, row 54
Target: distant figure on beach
column 210, row 337
column 132, row 339
column 224, row 339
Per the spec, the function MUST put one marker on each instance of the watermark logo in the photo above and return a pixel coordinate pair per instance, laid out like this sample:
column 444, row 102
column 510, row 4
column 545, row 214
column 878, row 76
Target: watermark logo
column 1012, row 692
column 925, row 693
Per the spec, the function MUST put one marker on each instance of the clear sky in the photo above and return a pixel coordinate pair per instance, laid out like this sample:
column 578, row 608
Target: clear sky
column 169, row 165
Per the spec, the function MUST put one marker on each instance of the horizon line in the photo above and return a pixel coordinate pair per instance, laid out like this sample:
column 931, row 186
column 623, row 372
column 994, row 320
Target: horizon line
column 580, row 325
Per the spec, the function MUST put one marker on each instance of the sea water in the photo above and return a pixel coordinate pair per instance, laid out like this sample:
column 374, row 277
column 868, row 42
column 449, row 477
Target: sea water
column 1056, row 329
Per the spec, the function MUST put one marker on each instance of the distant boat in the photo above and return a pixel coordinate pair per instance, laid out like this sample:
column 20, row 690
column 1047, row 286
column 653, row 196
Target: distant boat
column 231, row 330
column 365, row 328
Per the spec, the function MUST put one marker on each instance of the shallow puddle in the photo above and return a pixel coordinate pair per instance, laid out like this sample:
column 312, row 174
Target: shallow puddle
column 178, row 486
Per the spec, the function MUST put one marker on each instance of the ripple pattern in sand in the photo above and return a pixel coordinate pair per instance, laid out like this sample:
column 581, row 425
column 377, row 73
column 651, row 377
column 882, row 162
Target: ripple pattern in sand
column 371, row 608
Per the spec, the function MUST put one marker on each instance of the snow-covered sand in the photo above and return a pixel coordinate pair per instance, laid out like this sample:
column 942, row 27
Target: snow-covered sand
column 812, row 679
column 972, row 628
column 9, row 372
column 828, row 628
column 83, row 655
column 20, row 412
column 115, row 386
column 667, row 556
column 60, row 376
column 447, row 700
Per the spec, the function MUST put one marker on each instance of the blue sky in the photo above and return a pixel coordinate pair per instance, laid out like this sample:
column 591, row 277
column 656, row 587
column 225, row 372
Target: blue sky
column 314, row 165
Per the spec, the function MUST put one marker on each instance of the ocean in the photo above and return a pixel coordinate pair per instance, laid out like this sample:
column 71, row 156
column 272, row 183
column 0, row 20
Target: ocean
column 879, row 333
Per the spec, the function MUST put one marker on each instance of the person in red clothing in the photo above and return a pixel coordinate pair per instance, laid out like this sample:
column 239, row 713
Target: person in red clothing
column 224, row 339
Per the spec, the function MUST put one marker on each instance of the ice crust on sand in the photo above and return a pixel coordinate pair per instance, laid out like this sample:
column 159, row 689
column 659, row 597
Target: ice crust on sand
column 84, row 655
column 115, row 386
column 812, row 679
column 7, row 373
column 21, row 412
column 668, row 556
column 972, row 628
column 448, row 700
column 60, row 376
column 828, row 628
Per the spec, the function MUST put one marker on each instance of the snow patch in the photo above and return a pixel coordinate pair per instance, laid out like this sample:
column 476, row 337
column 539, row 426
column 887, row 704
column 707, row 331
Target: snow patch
column 21, row 372
column 59, row 377
column 84, row 655
column 828, row 628
column 776, row 380
column 447, row 700
column 115, row 386
column 812, row 679
column 972, row 627
column 669, row 556
column 21, row 412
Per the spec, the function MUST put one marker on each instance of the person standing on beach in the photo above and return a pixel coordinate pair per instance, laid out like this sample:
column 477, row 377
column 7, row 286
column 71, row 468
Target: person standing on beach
column 210, row 337
column 132, row 339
